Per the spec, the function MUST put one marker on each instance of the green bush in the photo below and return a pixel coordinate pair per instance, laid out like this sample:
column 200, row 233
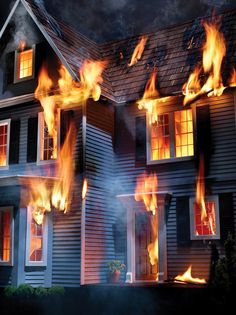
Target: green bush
column 40, row 292
column 25, row 290
column 56, row 290
column 9, row 291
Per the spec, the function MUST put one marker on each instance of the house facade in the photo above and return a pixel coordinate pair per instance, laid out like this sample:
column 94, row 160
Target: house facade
column 115, row 144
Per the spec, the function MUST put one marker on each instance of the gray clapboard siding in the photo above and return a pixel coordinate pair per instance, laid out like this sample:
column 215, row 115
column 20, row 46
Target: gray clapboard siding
column 179, row 178
column 100, row 214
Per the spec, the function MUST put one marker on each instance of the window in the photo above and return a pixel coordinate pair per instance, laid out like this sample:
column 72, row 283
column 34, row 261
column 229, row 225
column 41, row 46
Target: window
column 207, row 228
column 24, row 64
column 6, row 237
column 36, row 241
column 47, row 144
column 171, row 136
column 4, row 142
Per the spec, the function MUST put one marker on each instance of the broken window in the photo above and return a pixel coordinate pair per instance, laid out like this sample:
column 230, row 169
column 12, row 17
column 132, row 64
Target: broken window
column 5, row 235
column 205, row 218
column 4, row 142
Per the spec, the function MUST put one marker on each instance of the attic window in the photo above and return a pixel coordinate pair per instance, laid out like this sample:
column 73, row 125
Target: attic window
column 24, row 64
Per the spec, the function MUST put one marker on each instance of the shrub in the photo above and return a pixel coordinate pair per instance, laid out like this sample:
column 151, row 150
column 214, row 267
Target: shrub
column 56, row 290
column 41, row 292
column 25, row 290
column 9, row 291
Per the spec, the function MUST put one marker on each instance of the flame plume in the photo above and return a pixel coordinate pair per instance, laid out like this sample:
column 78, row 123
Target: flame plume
column 187, row 277
column 138, row 51
column 200, row 190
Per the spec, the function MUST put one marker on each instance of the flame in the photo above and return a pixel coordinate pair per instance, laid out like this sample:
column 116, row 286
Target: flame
column 187, row 277
column 61, row 192
column 153, row 247
column 39, row 198
column 232, row 80
column 138, row 51
column 85, row 188
column 200, row 190
column 214, row 51
column 151, row 99
column 146, row 189
column 22, row 45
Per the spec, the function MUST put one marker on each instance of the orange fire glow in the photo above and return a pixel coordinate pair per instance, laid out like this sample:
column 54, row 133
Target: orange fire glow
column 151, row 99
column 187, row 277
column 61, row 193
column 232, row 80
column 22, row 45
column 138, row 51
column 85, row 188
column 145, row 191
column 200, row 190
column 214, row 51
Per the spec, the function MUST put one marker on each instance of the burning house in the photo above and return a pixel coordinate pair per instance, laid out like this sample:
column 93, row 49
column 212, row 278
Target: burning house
column 124, row 150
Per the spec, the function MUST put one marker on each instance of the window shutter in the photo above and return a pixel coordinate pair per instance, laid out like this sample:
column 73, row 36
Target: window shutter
column 183, row 221
column 140, row 132
column 10, row 64
column 66, row 118
column 40, row 53
column 32, row 139
column 226, row 215
column 14, row 142
column 204, row 143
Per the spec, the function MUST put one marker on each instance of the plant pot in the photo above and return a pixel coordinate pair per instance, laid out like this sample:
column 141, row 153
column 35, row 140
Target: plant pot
column 114, row 277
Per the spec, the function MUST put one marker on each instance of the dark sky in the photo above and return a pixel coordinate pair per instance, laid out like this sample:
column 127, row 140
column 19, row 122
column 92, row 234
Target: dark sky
column 114, row 19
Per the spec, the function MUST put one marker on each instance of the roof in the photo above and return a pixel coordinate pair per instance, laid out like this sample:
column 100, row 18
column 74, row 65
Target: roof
column 174, row 51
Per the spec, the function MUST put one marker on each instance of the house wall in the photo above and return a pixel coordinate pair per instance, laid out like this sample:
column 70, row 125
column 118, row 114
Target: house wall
column 99, row 214
column 179, row 178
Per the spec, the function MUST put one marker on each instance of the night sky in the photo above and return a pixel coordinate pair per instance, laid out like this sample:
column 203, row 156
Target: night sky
column 114, row 19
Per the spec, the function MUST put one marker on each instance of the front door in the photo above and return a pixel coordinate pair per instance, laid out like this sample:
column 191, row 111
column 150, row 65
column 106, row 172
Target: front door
column 146, row 268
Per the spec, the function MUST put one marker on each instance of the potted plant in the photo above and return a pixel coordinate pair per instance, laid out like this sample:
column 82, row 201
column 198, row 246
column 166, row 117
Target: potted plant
column 115, row 266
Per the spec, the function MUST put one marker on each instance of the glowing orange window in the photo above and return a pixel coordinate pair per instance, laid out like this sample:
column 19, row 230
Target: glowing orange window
column 25, row 64
column 184, row 133
column 207, row 226
column 5, row 235
column 36, row 242
column 3, row 143
column 160, row 138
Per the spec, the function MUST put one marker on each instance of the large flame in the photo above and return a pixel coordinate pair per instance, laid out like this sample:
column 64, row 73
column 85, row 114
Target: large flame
column 138, row 51
column 85, row 188
column 146, row 189
column 187, row 277
column 151, row 99
column 61, row 193
column 214, row 51
column 69, row 92
column 232, row 80
column 200, row 190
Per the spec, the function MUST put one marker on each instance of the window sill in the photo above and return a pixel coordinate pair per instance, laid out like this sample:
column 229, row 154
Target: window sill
column 170, row 160
column 6, row 264
column 35, row 264
column 46, row 162
column 205, row 238
column 4, row 168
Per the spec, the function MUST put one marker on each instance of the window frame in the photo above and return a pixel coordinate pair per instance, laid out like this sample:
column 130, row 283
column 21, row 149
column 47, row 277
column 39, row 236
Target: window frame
column 10, row 262
column 8, row 122
column 172, row 158
column 42, row 263
column 39, row 139
column 193, row 236
column 16, row 79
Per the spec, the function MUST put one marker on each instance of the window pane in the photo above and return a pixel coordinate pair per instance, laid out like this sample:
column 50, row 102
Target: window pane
column 208, row 226
column 3, row 144
column 5, row 235
column 36, row 242
column 25, row 62
column 49, row 143
column 183, row 133
column 160, row 138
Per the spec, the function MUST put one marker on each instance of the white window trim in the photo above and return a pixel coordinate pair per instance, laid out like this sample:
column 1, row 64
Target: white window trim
column 172, row 159
column 16, row 79
column 10, row 262
column 8, row 122
column 193, row 236
column 40, row 119
column 42, row 263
